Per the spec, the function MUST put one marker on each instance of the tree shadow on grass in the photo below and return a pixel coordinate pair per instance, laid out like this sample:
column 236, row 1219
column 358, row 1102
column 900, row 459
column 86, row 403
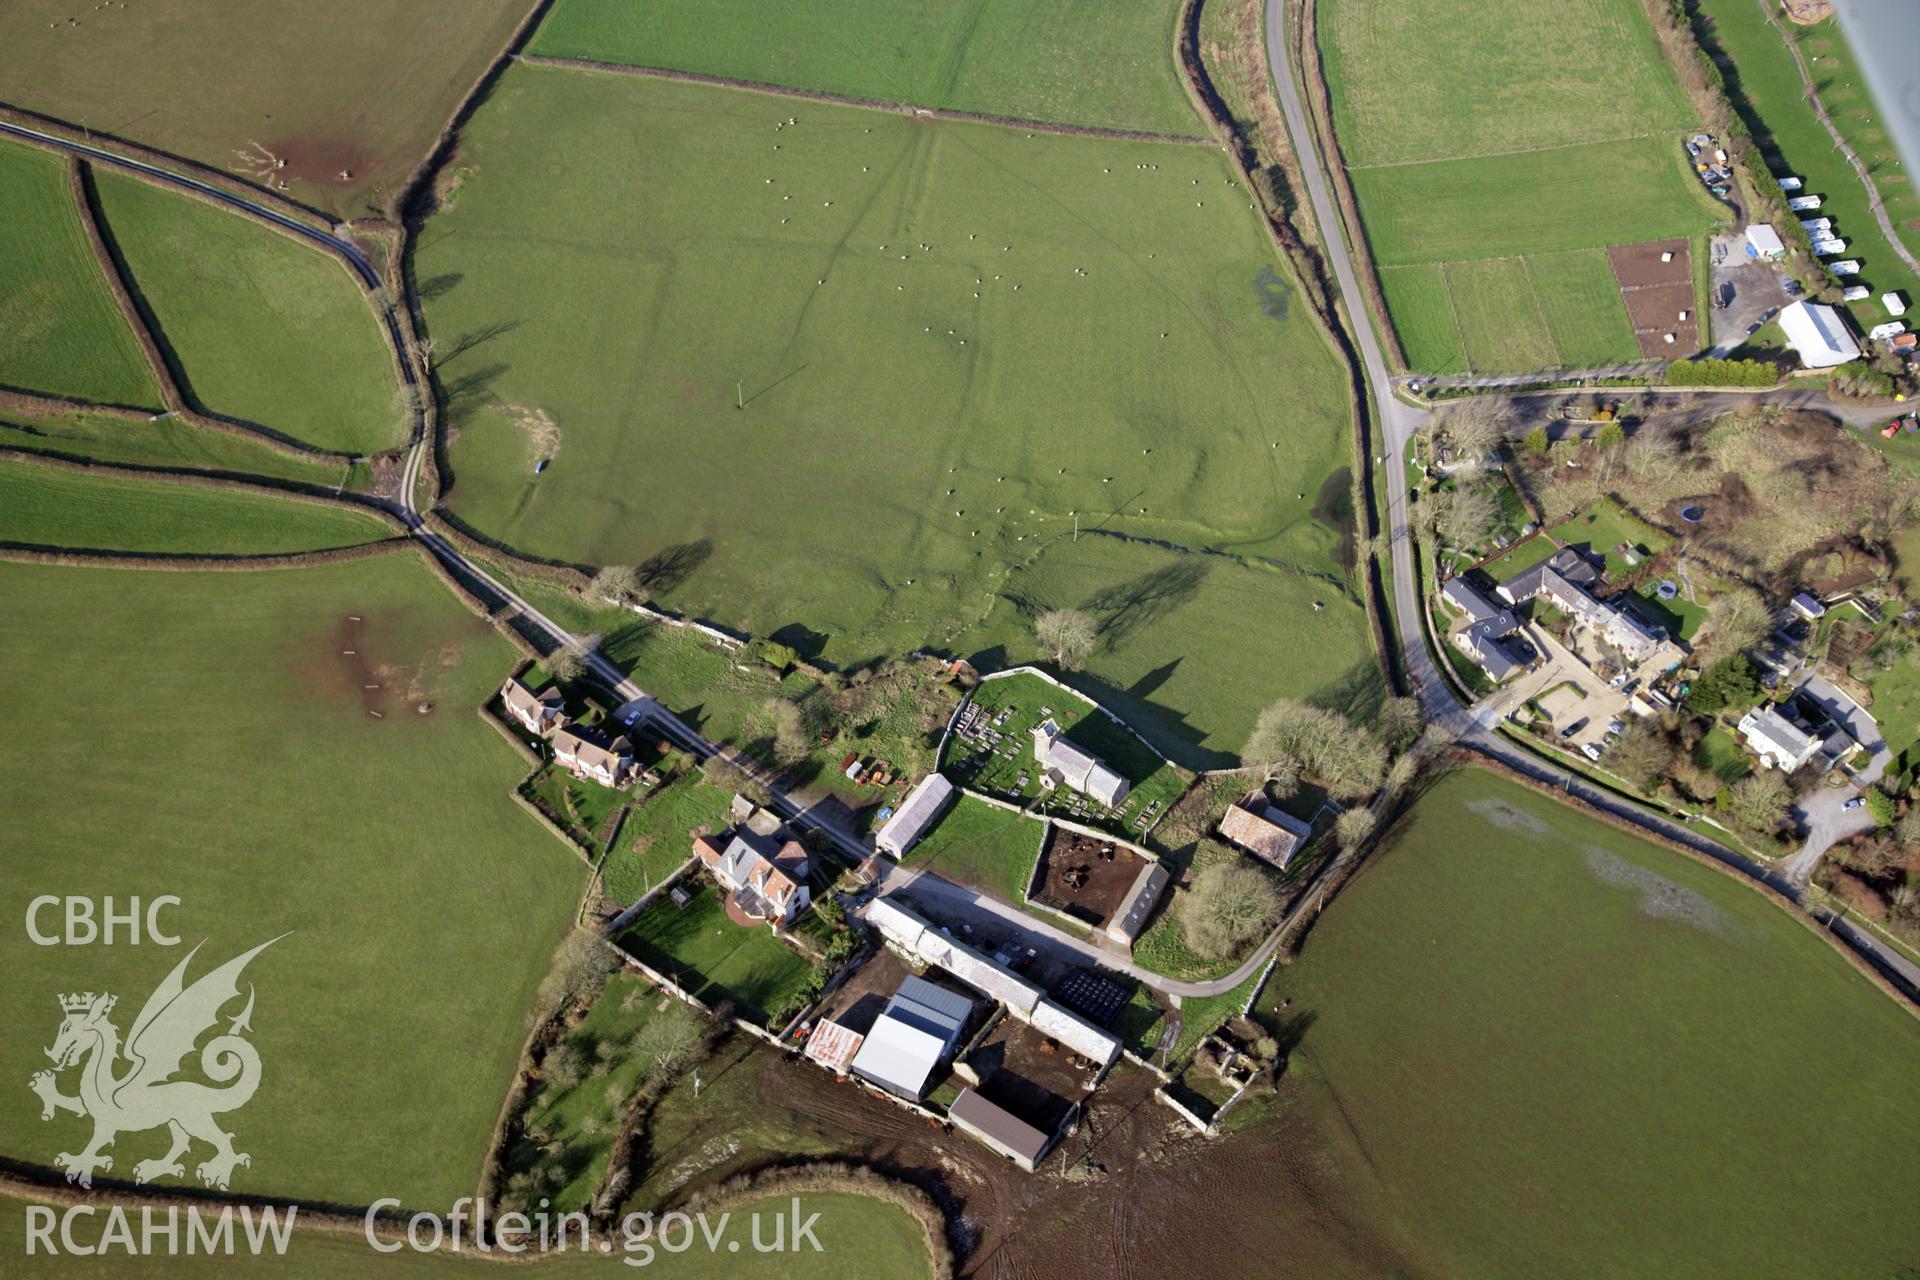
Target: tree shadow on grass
column 1125, row 609
column 670, row 567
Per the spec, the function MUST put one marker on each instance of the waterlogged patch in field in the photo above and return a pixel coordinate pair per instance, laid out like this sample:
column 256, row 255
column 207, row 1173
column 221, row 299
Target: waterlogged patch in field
column 1105, row 63
column 338, row 102
column 859, row 372
column 261, row 327
column 61, row 332
column 1549, row 1043
column 49, row 507
column 284, row 750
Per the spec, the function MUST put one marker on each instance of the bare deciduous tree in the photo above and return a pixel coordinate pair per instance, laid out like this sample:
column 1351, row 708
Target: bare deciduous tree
column 1737, row 619
column 1477, row 426
column 1353, row 826
column 1400, row 722
column 619, row 584
column 1324, row 744
column 569, row 662
column 1069, row 634
column 1230, row 904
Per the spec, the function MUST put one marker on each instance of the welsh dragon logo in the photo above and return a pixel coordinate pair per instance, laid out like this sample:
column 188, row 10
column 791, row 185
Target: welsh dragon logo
column 144, row 1094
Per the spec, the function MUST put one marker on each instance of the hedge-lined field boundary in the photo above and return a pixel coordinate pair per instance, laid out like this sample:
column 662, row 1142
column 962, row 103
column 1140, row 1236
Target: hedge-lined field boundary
column 193, row 562
column 120, row 282
column 289, row 490
column 835, row 1177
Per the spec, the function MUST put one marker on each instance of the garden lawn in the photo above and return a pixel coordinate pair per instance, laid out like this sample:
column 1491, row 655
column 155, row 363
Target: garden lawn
column 1487, row 139
column 713, row 958
column 1719, row 753
column 222, row 748
column 259, row 326
column 854, row 1231
column 658, row 835
column 61, row 332
column 48, row 507
column 1765, row 86
column 908, row 451
column 359, row 87
column 166, row 442
column 1105, row 63
column 1605, row 527
column 1549, row 1043
column 983, row 847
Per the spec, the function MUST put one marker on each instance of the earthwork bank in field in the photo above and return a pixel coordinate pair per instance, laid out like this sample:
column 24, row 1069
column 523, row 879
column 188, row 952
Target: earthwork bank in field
column 259, row 326
column 331, row 104
column 1495, row 151
column 1101, row 63
column 214, row 736
column 1555, row 1049
column 867, row 378
column 61, row 333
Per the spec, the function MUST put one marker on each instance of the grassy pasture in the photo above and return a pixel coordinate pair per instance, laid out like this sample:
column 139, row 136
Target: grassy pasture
column 1765, row 86
column 262, row 328
column 237, row 765
column 854, row 1232
column 165, row 442
column 61, row 332
column 1500, row 324
column 1554, row 1047
column 1475, row 133
column 1427, row 79
column 361, row 86
column 637, row 304
column 1106, row 63
column 983, row 847
column 45, row 506
column 1579, row 197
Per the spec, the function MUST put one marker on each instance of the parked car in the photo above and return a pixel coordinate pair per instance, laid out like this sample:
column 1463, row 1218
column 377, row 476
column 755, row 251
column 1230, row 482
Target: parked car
column 1616, row 727
column 1618, row 680
column 1590, row 751
column 1853, row 804
column 1573, row 728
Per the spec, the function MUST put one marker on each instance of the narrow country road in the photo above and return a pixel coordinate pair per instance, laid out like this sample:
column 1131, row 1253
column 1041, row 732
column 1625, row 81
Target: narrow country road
column 1399, row 423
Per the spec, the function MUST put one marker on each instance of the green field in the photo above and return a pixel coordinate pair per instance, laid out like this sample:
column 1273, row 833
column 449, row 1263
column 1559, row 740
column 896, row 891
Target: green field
column 1550, row 1048
column 43, row 506
column 1765, row 86
column 361, row 86
column 233, row 760
column 854, row 1232
column 162, row 442
column 983, row 847
column 260, row 327
column 1480, row 138
column 1104, row 63
column 713, row 958
column 658, row 836
column 637, row 305
column 61, row 331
